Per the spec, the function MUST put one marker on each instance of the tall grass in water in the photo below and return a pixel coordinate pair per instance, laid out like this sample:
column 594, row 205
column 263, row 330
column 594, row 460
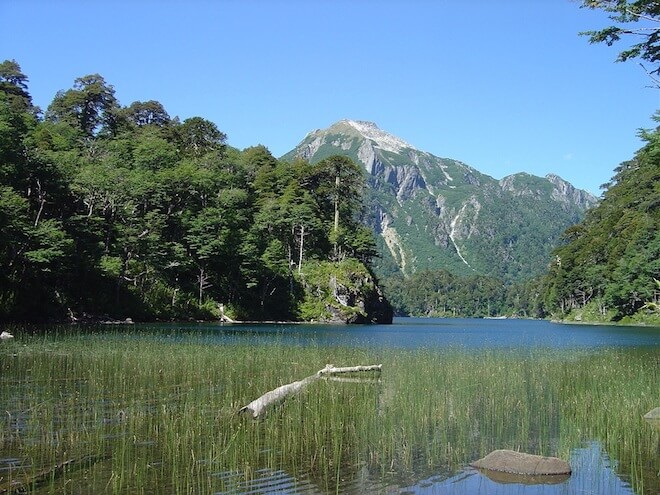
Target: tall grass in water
column 141, row 414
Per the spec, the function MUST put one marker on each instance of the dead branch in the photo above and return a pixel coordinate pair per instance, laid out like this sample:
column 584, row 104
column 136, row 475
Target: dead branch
column 259, row 405
column 330, row 369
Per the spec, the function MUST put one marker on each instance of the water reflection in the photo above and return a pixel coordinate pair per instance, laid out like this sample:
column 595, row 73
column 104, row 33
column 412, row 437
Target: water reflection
column 266, row 481
column 592, row 475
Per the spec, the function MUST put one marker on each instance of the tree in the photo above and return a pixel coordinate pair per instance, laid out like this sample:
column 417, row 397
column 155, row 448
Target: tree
column 199, row 136
column 147, row 113
column 33, row 258
column 14, row 84
column 338, row 184
column 611, row 260
column 10, row 73
column 90, row 106
column 260, row 167
column 152, row 151
column 125, row 212
column 644, row 16
column 17, row 118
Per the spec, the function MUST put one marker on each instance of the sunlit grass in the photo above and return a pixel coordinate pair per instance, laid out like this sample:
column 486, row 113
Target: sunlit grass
column 150, row 414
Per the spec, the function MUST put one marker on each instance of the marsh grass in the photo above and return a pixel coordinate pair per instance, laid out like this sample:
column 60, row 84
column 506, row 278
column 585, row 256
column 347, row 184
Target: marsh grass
column 153, row 414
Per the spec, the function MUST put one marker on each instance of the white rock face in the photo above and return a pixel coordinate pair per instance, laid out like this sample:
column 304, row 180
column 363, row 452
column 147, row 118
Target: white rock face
column 393, row 242
column 313, row 146
column 367, row 155
column 384, row 140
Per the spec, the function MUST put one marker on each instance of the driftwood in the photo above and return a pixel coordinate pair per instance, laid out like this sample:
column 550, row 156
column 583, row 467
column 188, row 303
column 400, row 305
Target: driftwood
column 258, row 406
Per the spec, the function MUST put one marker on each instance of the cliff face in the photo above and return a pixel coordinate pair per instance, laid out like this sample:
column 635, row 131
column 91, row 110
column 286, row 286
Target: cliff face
column 432, row 212
column 342, row 292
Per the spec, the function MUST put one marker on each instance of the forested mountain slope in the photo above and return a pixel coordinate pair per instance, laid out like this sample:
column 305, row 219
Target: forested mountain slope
column 608, row 266
column 438, row 213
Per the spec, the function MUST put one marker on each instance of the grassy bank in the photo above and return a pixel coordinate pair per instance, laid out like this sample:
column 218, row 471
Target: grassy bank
column 157, row 415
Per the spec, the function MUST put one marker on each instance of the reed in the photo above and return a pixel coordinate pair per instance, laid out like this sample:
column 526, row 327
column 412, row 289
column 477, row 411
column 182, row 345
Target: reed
column 152, row 414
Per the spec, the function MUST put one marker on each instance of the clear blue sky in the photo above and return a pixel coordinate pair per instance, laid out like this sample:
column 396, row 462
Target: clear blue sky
column 502, row 85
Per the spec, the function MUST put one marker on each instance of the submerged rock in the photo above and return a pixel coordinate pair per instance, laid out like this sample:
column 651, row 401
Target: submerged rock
column 525, row 479
column 522, row 464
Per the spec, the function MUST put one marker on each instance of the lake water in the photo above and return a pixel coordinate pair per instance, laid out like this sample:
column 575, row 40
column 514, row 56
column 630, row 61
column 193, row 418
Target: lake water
column 428, row 333
column 593, row 472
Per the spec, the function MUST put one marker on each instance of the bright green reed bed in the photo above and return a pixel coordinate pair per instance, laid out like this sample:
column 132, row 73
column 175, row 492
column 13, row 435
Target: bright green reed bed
column 121, row 413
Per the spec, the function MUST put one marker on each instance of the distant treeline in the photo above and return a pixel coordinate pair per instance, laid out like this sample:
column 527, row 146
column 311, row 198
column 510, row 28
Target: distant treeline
column 438, row 293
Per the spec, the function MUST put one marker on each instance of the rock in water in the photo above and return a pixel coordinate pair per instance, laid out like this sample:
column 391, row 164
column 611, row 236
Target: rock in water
column 510, row 461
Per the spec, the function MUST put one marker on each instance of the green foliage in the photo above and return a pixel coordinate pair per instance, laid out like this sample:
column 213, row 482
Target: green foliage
column 637, row 20
column 612, row 259
column 335, row 291
column 121, row 211
column 90, row 106
column 440, row 293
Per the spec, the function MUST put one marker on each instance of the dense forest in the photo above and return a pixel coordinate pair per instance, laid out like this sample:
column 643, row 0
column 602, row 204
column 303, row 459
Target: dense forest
column 126, row 212
column 439, row 293
column 609, row 265
column 109, row 211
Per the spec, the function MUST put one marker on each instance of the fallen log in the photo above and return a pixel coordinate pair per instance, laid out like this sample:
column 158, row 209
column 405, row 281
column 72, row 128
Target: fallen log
column 258, row 406
column 330, row 369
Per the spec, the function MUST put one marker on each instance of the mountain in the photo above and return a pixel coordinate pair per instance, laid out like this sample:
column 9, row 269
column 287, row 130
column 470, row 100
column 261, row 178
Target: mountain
column 432, row 212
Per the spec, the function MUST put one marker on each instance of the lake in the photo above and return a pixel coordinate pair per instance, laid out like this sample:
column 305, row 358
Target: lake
column 152, row 408
column 437, row 333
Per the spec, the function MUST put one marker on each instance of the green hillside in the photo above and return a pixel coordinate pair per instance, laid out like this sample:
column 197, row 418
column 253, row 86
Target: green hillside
column 608, row 267
column 436, row 213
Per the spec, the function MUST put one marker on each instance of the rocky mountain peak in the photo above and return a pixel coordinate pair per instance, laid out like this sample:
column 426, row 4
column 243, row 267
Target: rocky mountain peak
column 565, row 191
column 431, row 212
column 383, row 140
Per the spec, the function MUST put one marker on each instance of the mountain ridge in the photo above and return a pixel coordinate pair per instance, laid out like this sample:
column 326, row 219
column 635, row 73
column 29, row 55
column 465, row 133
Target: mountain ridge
column 430, row 212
